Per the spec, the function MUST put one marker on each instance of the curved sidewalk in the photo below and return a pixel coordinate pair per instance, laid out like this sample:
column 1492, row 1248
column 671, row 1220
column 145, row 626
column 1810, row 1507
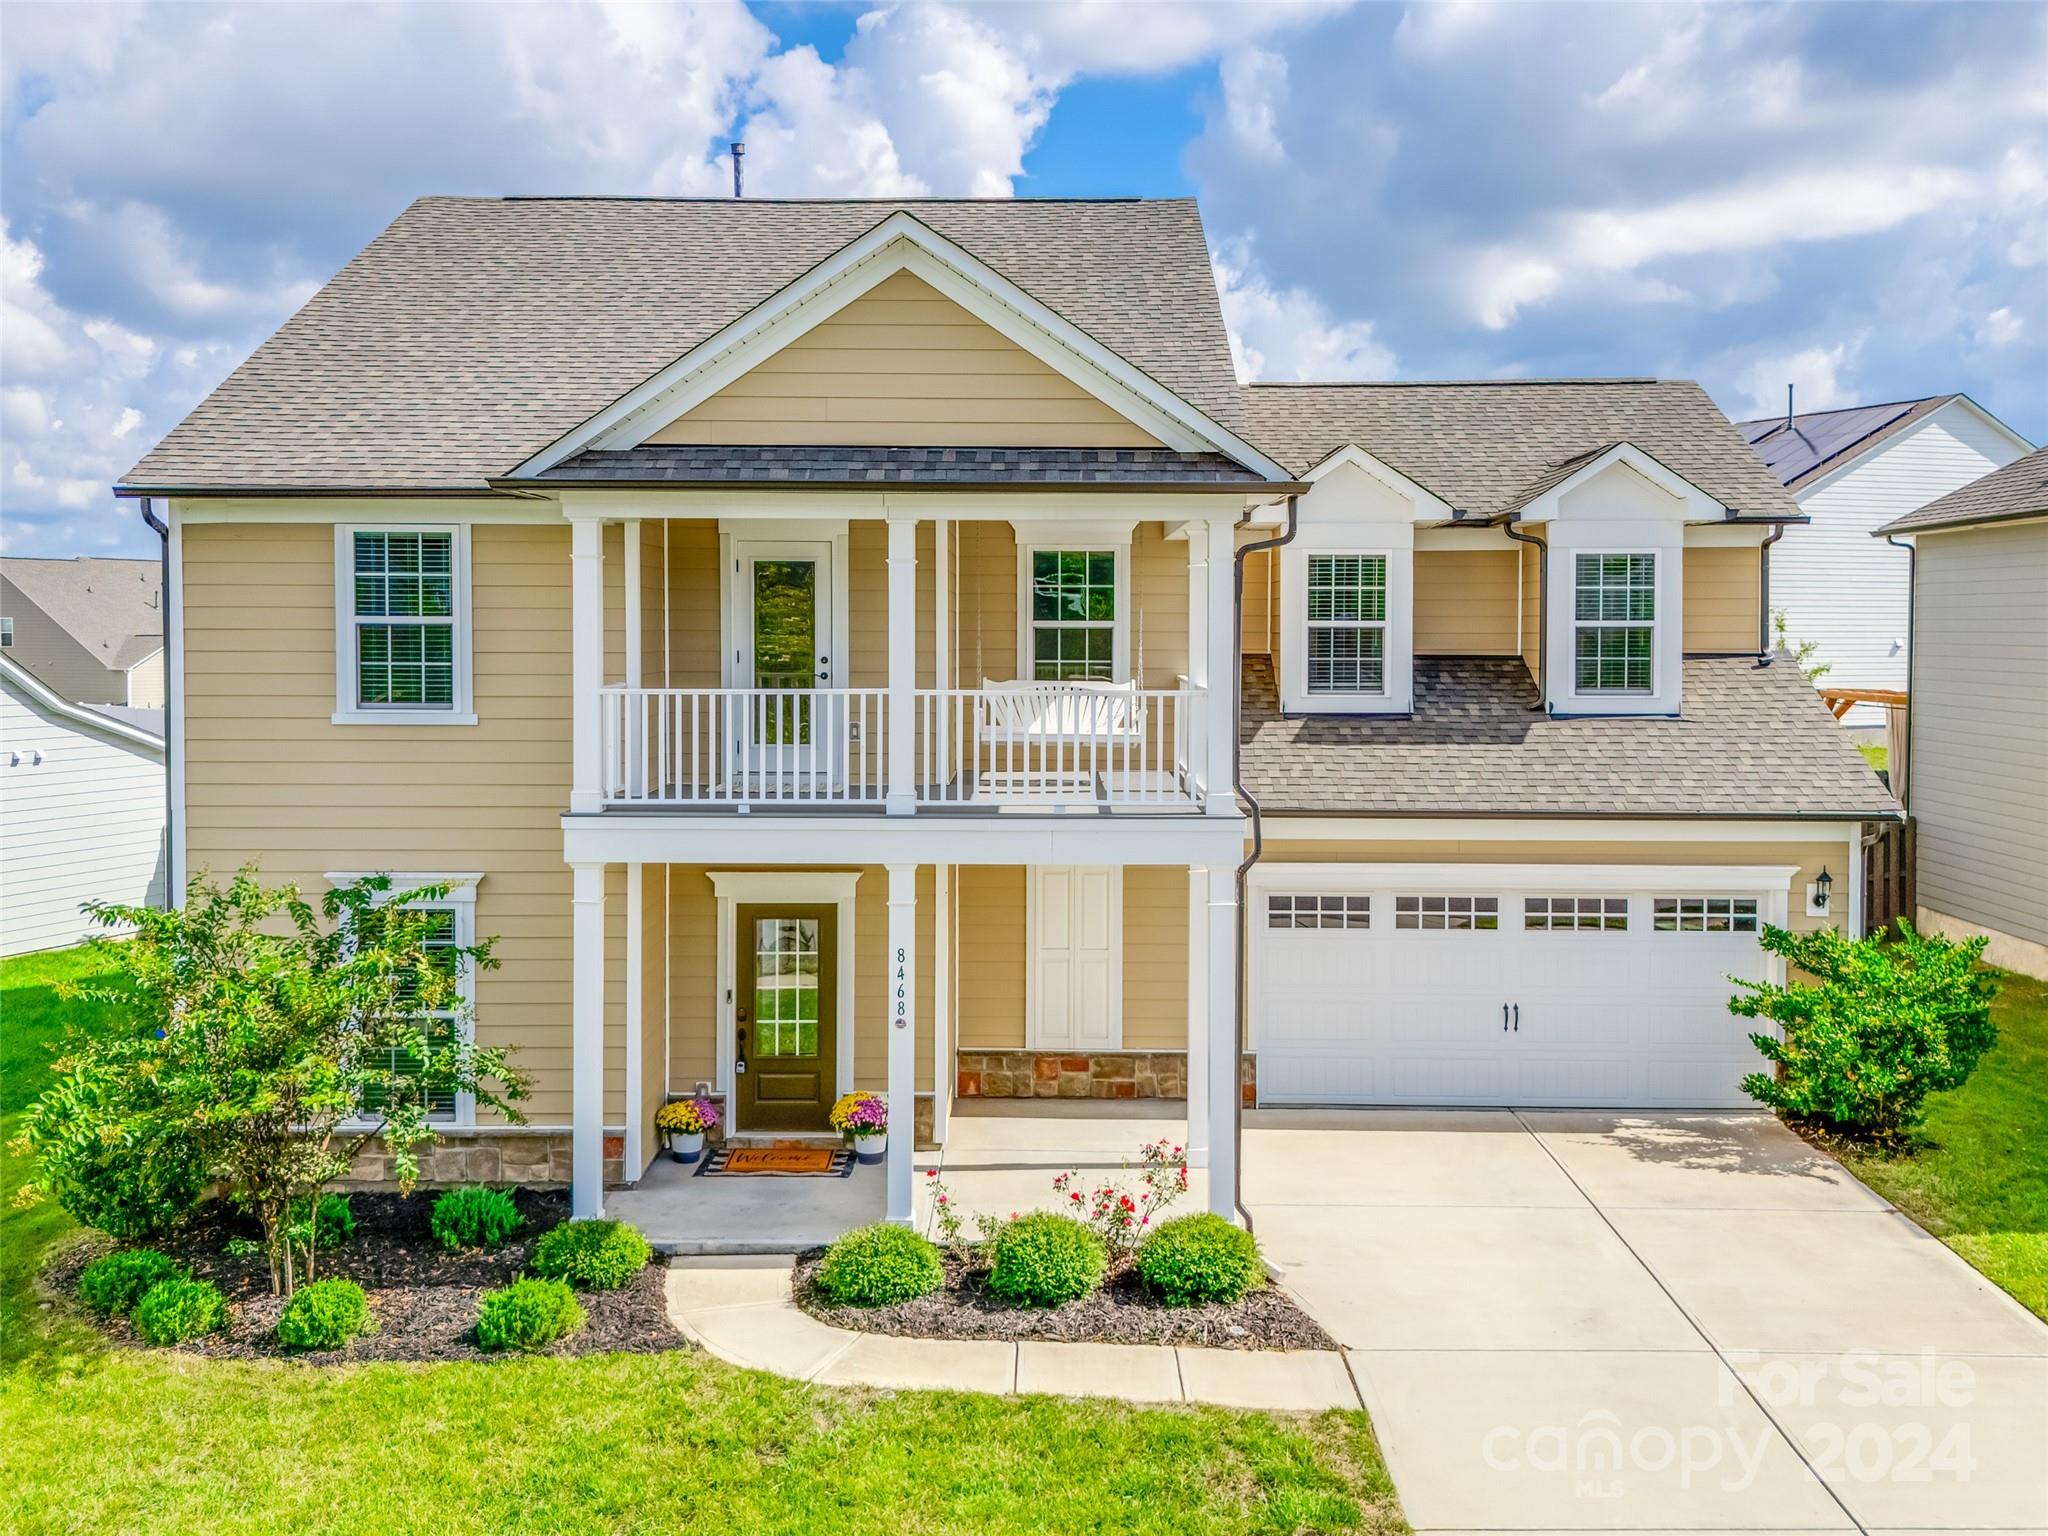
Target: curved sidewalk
column 741, row 1310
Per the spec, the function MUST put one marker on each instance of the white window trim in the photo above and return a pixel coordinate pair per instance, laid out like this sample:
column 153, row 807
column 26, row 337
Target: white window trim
column 1117, row 541
column 1384, row 624
column 1034, row 1039
column 1624, row 697
column 1396, row 695
column 346, row 710
column 733, row 888
column 462, row 898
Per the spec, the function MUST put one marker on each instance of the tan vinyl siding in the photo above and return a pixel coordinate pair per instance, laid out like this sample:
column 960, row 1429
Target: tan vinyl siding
column 695, row 597
column 1155, row 957
column 904, row 366
column 693, row 979
column 1979, row 775
column 653, row 899
column 1532, row 607
column 1722, row 588
column 271, row 781
column 986, row 576
column 990, row 955
column 1261, row 604
column 1810, row 858
column 1465, row 602
column 1159, row 607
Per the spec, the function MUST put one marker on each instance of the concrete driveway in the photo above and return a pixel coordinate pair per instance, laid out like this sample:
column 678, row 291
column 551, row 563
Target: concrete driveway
column 1577, row 1322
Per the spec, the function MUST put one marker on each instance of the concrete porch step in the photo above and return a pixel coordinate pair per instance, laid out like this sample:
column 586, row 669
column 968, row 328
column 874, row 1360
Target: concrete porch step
column 785, row 1139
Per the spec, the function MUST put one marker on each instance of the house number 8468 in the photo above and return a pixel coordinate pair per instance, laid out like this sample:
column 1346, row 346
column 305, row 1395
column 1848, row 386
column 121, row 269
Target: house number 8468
column 902, row 991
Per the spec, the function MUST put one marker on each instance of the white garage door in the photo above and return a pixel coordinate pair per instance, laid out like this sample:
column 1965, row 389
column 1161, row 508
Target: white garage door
column 1446, row 990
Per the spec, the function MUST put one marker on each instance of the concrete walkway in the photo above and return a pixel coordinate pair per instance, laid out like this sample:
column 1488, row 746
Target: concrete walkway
column 1573, row 1322
column 740, row 1309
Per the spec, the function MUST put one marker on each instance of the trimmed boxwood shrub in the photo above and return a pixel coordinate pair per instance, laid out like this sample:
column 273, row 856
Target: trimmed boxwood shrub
column 1044, row 1259
column 878, row 1265
column 114, row 1282
column 527, row 1314
column 1196, row 1259
column 474, row 1217
column 180, row 1308
column 591, row 1255
column 332, row 1222
column 324, row 1315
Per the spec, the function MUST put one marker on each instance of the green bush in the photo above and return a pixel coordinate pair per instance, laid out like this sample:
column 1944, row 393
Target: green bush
column 331, row 1222
column 591, row 1255
column 114, row 1282
column 134, row 1188
column 324, row 1315
column 1044, row 1259
column 1196, row 1259
column 527, row 1314
column 474, row 1217
column 875, row 1266
column 1877, row 1028
column 180, row 1308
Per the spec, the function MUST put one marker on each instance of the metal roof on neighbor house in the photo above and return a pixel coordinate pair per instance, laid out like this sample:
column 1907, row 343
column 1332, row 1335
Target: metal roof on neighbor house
column 692, row 464
column 475, row 331
column 1484, row 446
column 1752, row 741
column 2018, row 490
column 1819, row 442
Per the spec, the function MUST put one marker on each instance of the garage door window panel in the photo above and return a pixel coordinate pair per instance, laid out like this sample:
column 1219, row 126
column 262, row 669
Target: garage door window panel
column 1447, row 913
column 1575, row 914
column 1319, row 912
column 1704, row 914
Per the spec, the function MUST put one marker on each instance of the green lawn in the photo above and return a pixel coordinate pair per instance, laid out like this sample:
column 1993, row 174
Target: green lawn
column 100, row 1439
column 1978, row 1176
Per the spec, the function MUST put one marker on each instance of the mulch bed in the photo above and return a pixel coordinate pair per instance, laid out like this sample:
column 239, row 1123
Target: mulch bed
column 423, row 1297
column 1120, row 1313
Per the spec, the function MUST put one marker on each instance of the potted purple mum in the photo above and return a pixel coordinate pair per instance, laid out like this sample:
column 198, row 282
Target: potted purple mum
column 864, row 1118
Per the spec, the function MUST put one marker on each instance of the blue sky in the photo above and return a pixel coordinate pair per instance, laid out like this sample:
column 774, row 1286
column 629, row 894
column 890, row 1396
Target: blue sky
column 1850, row 197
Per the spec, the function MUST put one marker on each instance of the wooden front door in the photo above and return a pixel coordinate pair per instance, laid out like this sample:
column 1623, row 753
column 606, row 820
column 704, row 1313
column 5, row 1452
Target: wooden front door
column 786, row 1016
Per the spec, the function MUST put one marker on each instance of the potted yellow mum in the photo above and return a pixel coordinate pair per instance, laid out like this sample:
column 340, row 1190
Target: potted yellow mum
column 864, row 1118
column 683, row 1123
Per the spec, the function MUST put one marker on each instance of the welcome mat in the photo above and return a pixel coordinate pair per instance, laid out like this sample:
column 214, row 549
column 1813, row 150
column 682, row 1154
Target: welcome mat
column 778, row 1162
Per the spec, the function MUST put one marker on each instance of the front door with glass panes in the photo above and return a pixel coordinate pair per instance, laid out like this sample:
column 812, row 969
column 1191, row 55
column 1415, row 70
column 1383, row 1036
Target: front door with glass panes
column 783, row 653
column 785, row 1016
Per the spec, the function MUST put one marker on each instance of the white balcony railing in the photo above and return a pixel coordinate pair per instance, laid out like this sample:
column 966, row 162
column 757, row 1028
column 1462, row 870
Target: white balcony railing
column 1006, row 745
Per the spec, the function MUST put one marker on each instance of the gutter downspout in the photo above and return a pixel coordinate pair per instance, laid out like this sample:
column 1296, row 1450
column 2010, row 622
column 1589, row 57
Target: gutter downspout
column 172, row 898
column 1542, row 608
column 1912, row 659
column 1236, row 1065
column 1763, row 617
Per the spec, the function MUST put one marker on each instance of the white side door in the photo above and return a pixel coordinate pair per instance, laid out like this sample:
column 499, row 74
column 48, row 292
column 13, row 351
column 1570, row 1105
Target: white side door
column 1075, row 970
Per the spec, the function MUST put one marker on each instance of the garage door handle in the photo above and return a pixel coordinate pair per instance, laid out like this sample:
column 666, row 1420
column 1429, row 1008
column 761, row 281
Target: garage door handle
column 1518, row 1018
column 1503, row 1018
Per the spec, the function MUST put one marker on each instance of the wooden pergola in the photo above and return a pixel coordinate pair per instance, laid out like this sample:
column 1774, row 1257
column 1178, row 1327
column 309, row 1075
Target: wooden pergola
column 1839, row 699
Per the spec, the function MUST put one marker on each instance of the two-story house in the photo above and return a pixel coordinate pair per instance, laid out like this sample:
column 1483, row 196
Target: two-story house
column 808, row 635
column 89, row 628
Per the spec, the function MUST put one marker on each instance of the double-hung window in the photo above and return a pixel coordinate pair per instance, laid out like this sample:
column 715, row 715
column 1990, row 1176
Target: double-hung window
column 1073, row 596
column 451, row 927
column 402, row 595
column 1347, row 623
column 1615, row 623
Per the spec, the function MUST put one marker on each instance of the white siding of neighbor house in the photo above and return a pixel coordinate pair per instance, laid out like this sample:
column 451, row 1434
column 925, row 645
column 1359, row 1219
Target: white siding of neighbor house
column 1838, row 585
column 146, row 683
column 85, row 823
column 1979, row 788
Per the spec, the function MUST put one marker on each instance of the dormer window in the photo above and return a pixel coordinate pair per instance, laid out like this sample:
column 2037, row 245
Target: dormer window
column 1347, row 624
column 1615, row 623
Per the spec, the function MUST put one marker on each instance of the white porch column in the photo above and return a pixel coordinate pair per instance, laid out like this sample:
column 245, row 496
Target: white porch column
column 1221, row 679
column 942, row 1001
column 1198, row 605
column 902, row 1038
column 636, row 756
column 902, row 797
column 586, row 664
column 586, row 1189
column 636, row 1005
column 1224, row 1071
column 1198, row 1016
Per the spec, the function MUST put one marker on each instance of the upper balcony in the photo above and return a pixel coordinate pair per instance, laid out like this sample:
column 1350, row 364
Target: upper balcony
column 963, row 665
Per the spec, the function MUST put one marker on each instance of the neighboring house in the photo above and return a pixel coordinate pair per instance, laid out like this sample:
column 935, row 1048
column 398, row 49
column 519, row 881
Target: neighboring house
column 81, row 811
column 1851, row 471
column 92, row 629
column 1976, row 780
column 805, row 633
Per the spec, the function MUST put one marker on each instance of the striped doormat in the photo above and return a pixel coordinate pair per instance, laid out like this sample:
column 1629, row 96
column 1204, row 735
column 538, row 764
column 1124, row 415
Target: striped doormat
column 777, row 1162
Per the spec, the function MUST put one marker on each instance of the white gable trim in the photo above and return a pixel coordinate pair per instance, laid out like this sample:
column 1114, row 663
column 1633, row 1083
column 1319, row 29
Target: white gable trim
column 39, row 695
column 1429, row 507
column 1877, row 450
column 1699, row 506
column 900, row 243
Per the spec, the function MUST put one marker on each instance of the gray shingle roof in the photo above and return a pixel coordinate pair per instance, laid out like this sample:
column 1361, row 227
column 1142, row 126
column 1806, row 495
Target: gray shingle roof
column 111, row 607
column 692, row 464
column 2018, row 490
column 1752, row 741
column 1820, row 442
column 1482, row 446
column 475, row 331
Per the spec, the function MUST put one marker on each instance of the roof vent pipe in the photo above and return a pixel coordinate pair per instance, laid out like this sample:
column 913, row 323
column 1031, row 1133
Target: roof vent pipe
column 1788, row 387
column 739, row 180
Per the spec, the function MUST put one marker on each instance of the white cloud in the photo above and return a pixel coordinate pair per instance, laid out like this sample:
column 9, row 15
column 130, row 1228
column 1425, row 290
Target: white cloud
column 1254, row 84
column 2001, row 328
column 1286, row 333
column 1816, row 374
column 1437, row 29
column 1066, row 38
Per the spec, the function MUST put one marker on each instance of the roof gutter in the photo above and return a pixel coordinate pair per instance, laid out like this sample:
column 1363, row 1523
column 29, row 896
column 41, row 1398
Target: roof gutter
column 173, row 662
column 840, row 487
column 1235, row 1065
column 1542, row 603
column 1763, row 603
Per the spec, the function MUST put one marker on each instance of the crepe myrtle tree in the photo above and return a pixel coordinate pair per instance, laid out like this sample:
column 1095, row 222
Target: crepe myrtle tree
column 265, row 1043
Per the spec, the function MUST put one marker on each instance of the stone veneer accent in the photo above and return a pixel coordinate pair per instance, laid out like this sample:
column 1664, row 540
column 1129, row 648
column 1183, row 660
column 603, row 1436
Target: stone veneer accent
column 1072, row 1075
column 534, row 1159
